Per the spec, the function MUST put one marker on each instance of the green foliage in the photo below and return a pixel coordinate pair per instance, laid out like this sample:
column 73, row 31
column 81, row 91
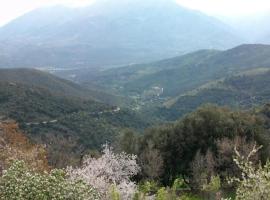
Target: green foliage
column 114, row 193
column 139, row 196
column 148, row 187
column 18, row 183
column 179, row 183
column 179, row 75
column 214, row 185
column 162, row 194
column 201, row 130
column 81, row 124
column 240, row 91
column 189, row 197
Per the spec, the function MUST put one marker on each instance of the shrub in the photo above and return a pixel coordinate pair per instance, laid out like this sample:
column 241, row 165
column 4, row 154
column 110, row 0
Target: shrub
column 162, row 194
column 214, row 184
column 179, row 184
column 18, row 182
column 148, row 187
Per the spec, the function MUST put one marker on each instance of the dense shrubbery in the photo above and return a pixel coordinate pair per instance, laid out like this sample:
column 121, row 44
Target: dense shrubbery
column 20, row 183
column 198, row 146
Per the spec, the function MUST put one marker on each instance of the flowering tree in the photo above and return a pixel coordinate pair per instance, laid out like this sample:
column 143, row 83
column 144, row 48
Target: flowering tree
column 254, row 182
column 18, row 182
column 107, row 171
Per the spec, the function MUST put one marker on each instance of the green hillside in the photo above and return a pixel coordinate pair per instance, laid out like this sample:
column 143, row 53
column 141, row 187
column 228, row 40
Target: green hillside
column 67, row 125
column 167, row 89
column 244, row 90
column 181, row 74
column 57, row 86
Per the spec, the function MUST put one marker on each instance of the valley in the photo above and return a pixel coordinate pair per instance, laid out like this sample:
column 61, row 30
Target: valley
column 100, row 106
column 173, row 87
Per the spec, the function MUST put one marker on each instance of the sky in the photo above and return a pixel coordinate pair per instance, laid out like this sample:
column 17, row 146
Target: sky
column 229, row 8
column 10, row 9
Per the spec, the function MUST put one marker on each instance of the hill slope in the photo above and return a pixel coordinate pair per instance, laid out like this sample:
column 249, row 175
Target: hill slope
column 245, row 90
column 138, row 31
column 66, row 124
column 182, row 74
column 57, row 86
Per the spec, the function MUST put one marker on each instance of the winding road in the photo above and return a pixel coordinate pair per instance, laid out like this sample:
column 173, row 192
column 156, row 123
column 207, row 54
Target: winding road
column 116, row 110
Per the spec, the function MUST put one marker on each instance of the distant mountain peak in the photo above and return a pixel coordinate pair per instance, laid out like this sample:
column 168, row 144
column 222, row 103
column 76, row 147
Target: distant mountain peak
column 110, row 32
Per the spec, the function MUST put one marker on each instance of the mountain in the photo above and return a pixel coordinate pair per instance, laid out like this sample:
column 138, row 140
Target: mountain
column 179, row 75
column 244, row 90
column 58, row 86
column 111, row 33
column 66, row 124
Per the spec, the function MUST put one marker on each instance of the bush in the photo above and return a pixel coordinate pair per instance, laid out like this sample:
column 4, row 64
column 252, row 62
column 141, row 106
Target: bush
column 179, row 184
column 214, row 184
column 162, row 194
column 149, row 187
column 18, row 182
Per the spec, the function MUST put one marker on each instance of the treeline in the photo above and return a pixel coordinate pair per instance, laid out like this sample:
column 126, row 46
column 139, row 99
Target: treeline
column 212, row 153
column 199, row 146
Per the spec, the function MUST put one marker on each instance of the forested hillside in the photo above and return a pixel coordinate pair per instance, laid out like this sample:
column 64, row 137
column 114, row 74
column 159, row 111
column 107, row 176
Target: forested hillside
column 245, row 90
column 68, row 125
column 182, row 74
column 58, row 86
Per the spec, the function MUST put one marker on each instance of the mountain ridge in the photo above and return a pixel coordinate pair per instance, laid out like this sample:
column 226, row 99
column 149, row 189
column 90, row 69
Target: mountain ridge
column 181, row 74
column 140, row 33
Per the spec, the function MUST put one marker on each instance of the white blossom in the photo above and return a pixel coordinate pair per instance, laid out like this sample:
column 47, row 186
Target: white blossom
column 110, row 169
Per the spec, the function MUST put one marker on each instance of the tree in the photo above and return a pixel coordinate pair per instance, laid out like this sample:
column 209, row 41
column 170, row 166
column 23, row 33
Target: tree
column 14, row 145
column 203, row 169
column 127, row 142
column 225, row 152
column 151, row 162
column 178, row 143
column 107, row 171
column 255, row 181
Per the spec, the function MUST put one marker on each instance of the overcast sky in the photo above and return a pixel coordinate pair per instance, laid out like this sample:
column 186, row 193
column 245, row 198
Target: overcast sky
column 10, row 9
